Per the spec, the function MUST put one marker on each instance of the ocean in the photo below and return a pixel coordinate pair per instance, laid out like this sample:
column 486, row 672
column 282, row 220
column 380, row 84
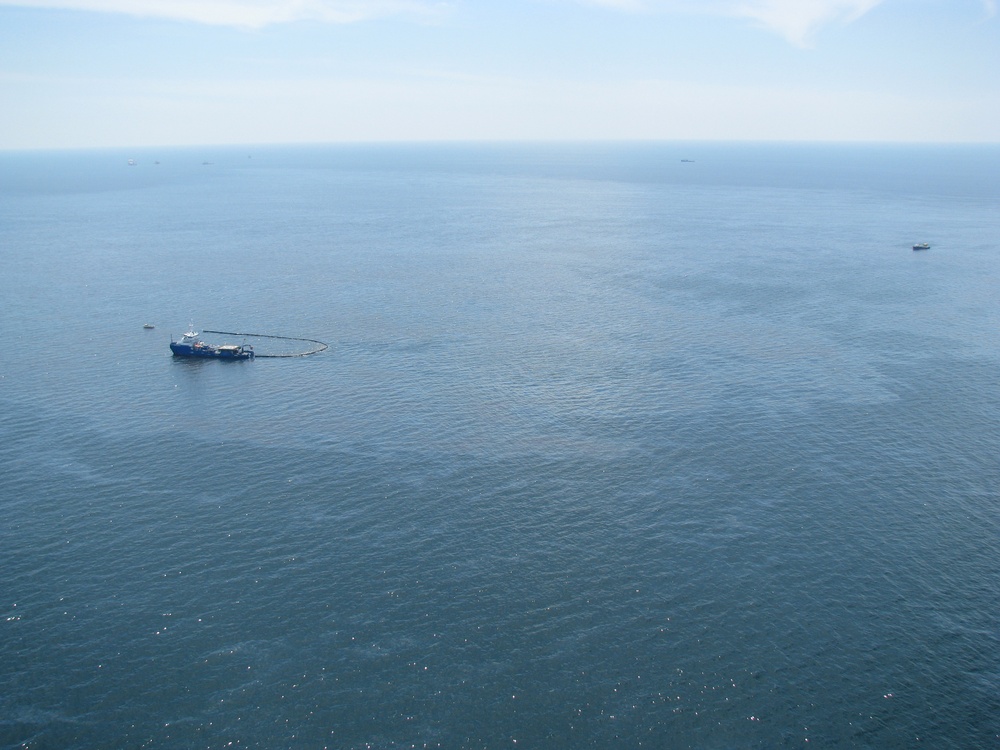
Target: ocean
column 673, row 445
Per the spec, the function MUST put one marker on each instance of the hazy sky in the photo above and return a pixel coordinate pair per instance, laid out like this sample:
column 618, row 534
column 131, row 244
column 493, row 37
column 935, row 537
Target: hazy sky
column 161, row 72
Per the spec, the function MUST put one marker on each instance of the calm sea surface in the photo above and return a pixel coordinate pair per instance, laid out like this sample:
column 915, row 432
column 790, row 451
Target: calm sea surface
column 609, row 449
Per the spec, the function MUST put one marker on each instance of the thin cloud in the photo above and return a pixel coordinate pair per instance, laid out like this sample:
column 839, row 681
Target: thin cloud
column 252, row 14
column 618, row 4
column 795, row 20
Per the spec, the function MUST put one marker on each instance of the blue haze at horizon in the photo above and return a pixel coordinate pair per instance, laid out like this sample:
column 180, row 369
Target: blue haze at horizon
column 608, row 450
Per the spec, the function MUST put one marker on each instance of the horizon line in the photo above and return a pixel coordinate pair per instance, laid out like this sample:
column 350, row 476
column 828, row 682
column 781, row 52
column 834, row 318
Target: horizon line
column 507, row 142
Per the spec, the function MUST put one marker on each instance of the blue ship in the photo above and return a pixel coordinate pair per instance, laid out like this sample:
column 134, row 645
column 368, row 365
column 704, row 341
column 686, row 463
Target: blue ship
column 191, row 346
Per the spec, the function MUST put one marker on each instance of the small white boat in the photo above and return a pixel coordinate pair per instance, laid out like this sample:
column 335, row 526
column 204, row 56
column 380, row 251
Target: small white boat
column 922, row 246
column 148, row 326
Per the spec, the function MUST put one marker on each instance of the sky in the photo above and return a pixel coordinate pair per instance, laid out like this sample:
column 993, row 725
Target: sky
column 132, row 73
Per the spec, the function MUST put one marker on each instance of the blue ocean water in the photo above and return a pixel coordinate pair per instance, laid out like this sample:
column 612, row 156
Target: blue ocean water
column 609, row 449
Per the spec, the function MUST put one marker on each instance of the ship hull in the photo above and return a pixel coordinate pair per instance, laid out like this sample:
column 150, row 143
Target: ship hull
column 205, row 351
